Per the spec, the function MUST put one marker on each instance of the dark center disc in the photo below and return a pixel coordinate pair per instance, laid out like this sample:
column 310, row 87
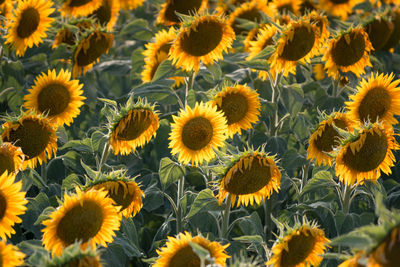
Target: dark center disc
column 301, row 44
column 135, row 125
column 299, row 247
column 28, row 22
column 185, row 7
column 345, row 54
column 53, row 99
column 375, row 104
column 197, row 133
column 234, row 106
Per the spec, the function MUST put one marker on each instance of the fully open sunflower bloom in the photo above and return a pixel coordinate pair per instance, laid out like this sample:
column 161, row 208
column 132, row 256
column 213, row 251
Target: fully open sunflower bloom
column 133, row 126
column 11, row 158
column 12, row 203
column 251, row 177
column 107, row 14
column 394, row 37
column 130, row 4
column 89, row 50
column 348, row 51
column 77, row 8
column 10, row 256
column 178, row 252
column 377, row 98
column 300, row 41
column 56, row 96
column 35, row 135
column 167, row 15
column 196, row 132
column 285, row 7
column 240, row 105
column 29, row 24
column 74, row 256
column 263, row 39
column 379, row 30
column 299, row 247
column 325, row 138
column 387, row 253
column 339, row 8
column 89, row 217
column 252, row 36
column 366, row 154
column 203, row 40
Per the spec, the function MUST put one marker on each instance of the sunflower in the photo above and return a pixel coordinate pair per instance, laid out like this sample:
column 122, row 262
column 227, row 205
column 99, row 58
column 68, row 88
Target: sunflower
column 252, row 176
column 322, row 23
column 12, row 203
column 167, row 15
column 196, row 132
column 35, row 135
column 285, row 7
column 11, row 158
column 352, row 262
column 203, row 40
column 30, row 22
column 300, row 41
column 394, row 37
column 178, row 251
column 299, row 247
column 64, row 36
column 348, row 52
column 107, row 14
column 339, row 8
column 224, row 7
column 307, row 6
column 89, row 51
column 264, row 38
column 133, row 127
column 325, row 138
column 377, row 98
column 10, row 256
column 89, row 217
column 387, row 252
column 130, row 4
column 251, row 37
column 366, row 154
column 5, row 10
column 76, row 8
column 319, row 71
column 57, row 96
column 240, row 105
column 379, row 30
column 74, row 256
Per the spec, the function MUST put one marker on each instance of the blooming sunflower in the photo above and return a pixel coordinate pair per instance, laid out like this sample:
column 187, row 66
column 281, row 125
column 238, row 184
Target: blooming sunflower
column 130, row 4
column 366, row 154
column 5, row 11
column 348, row 52
column 377, row 98
column 89, row 217
column 325, row 138
column 301, row 246
column 394, row 37
column 11, row 158
column 12, row 203
column 167, row 15
column 107, row 14
column 339, row 8
column 10, row 256
column 240, row 105
column 379, row 30
column 57, row 96
column 263, row 39
column 322, row 23
column 196, row 132
column 125, row 192
column 74, row 256
column 77, row 8
column 35, row 135
column 285, row 7
column 300, row 41
column 133, row 126
column 387, row 252
column 178, row 251
column 30, row 22
column 251, row 176
column 89, row 51
column 203, row 40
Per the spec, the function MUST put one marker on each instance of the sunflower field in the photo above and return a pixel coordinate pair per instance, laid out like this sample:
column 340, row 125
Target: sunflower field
column 194, row 133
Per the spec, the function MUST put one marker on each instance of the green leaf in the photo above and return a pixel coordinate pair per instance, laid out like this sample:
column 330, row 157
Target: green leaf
column 170, row 172
column 205, row 201
column 322, row 179
column 249, row 239
column 215, row 71
column 200, row 251
column 70, row 182
column 165, row 69
column 45, row 215
column 89, row 171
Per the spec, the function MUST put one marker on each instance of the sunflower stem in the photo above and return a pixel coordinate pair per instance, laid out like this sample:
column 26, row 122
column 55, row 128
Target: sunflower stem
column 268, row 221
column 346, row 199
column 225, row 218
column 104, row 156
column 335, row 87
column 189, row 84
column 181, row 188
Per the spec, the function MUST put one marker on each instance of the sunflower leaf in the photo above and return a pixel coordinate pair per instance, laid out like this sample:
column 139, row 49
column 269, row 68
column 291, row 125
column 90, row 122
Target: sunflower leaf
column 170, row 172
column 205, row 201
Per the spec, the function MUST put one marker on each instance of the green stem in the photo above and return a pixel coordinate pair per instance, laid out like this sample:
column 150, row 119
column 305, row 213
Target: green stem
column 104, row 156
column 346, row 199
column 225, row 218
column 181, row 188
column 43, row 174
column 189, row 84
column 335, row 87
column 304, row 176
column 268, row 221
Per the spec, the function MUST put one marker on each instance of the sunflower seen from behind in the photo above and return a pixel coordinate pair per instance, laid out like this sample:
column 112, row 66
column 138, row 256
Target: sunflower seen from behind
column 133, row 126
column 251, row 177
column 29, row 24
column 365, row 154
column 56, row 96
column 167, row 15
column 10, row 255
column 76, row 8
column 11, row 158
column 87, row 217
column 35, row 135
column 75, row 256
column 394, row 37
column 203, row 40
column 178, row 252
column 196, row 132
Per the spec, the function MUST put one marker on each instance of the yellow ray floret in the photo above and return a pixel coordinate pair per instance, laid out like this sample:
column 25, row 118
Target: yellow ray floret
column 387, row 252
column 107, row 14
column 167, row 15
column 339, row 8
column 10, row 256
column 77, row 8
column 11, row 158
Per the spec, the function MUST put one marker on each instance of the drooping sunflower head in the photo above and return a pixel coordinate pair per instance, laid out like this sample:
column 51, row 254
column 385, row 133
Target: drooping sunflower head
column 300, row 41
column 203, row 40
column 326, row 137
column 88, row 217
column 11, row 158
column 35, row 135
column 64, row 36
column 196, row 132
column 76, row 8
column 12, row 204
column 130, row 4
column 107, row 14
column 285, row 7
column 367, row 153
column 387, row 254
column 240, row 105
column 250, row 177
column 75, row 256
column 56, row 96
column 300, row 246
column 394, row 37
column 67, row 35
column 133, row 126
column 179, row 252
column 348, row 51
column 10, row 256
column 339, row 8
column 377, row 98
column 89, row 50
column 125, row 192
column 264, row 38
column 167, row 15
column 322, row 23
column 29, row 24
